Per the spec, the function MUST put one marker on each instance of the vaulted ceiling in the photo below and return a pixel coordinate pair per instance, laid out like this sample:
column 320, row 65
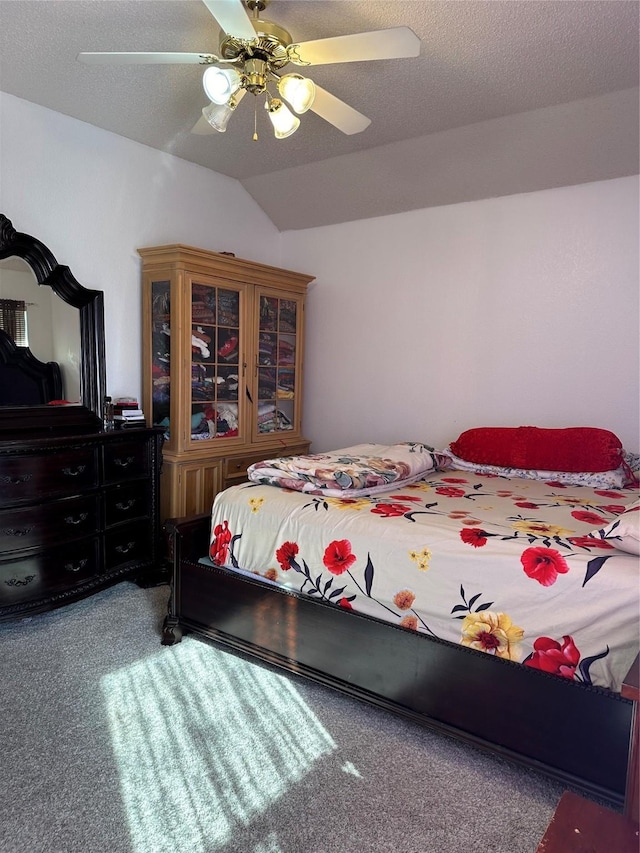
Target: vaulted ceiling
column 455, row 123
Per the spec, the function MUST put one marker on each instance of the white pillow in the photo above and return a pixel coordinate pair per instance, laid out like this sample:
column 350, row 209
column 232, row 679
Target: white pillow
column 624, row 532
column 615, row 479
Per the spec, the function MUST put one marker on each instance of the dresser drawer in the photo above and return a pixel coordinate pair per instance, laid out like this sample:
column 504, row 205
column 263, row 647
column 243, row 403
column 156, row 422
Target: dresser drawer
column 236, row 467
column 131, row 542
column 49, row 523
column 48, row 573
column 124, row 460
column 66, row 472
column 126, row 503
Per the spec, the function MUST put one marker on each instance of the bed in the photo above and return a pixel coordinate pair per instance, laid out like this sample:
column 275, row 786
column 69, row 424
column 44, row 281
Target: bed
column 499, row 609
column 24, row 379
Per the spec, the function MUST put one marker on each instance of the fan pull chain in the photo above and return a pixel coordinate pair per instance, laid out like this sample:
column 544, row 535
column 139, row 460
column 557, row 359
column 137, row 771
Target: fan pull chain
column 255, row 120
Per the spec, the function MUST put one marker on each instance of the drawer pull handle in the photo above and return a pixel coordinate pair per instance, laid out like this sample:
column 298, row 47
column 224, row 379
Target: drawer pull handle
column 123, row 463
column 75, row 567
column 73, row 472
column 13, row 531
column 124, row 506
column 16, row 481
column 124, row 549
column 20, row 581
column 78, row 519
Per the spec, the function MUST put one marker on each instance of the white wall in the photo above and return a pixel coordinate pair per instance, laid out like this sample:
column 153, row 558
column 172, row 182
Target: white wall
column 509, row 311
column 93, row 198
column 515, row 310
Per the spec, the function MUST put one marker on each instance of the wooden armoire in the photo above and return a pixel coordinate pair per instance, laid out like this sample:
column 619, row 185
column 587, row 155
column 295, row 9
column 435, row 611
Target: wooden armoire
column 223, row 342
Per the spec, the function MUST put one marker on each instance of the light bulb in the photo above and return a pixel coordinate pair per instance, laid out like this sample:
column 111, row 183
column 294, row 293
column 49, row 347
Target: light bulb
column 283, row 120
column 220, row 83
column 298, row 91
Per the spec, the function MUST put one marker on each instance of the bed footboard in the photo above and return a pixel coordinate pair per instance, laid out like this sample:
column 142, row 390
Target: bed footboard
column 631, row 690
column 188, row 540
column 578, row 734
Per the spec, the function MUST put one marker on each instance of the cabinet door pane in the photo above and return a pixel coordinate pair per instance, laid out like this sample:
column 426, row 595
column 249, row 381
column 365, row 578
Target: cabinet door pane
column 161, row 352
column 277, row 365
column 215, row 362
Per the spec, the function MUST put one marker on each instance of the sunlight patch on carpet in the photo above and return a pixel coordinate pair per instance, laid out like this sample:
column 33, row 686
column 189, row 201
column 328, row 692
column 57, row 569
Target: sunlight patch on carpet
column 205, row 742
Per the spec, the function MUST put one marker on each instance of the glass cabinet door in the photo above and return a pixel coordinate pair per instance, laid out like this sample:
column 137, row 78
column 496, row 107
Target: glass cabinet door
column 278, row 365
column 160, row 354
column 207, row 404
column 216, row 364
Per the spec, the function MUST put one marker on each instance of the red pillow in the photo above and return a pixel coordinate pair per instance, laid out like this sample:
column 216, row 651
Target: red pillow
column 572, row 449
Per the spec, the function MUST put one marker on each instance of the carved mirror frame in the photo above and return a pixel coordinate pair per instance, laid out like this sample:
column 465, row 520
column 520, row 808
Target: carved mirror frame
column 90, row 305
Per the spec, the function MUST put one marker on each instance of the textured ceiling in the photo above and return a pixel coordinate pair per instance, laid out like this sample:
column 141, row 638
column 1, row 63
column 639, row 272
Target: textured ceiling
column 480, row 61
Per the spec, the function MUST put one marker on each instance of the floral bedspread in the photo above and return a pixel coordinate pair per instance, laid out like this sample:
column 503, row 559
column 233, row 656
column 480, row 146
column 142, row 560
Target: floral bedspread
column 504, row 566
column 363, row 469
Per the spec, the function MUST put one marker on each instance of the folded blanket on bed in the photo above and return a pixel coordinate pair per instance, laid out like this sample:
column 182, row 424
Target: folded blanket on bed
column 364, row 469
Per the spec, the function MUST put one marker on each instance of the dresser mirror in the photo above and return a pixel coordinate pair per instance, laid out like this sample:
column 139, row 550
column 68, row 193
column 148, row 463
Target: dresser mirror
column 54, row 378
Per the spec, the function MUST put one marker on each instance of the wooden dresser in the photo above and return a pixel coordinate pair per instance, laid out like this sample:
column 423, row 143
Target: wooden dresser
column 78, row 513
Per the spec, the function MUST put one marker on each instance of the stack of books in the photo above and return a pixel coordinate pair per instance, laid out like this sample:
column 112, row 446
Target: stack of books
column 127, row 413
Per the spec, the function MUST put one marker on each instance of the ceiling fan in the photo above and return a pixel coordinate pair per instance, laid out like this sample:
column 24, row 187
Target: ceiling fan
column 253, row 53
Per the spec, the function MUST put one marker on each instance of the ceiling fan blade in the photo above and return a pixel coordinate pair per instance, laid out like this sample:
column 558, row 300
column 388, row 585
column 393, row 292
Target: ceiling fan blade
column 394, row 43
column 232, row 17
column 337, row 113
column 121, row 58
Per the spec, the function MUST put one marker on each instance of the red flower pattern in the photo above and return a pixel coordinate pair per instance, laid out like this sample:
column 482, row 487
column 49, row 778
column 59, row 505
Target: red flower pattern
column 551, row 656
column 220, row 546
column 338, row 557
column 616, row 509
column 589, row 542
column 588, row 516
column 286, row 554
column 477, row 538
column 390, row 510
column 543, row 565
column 450, row 492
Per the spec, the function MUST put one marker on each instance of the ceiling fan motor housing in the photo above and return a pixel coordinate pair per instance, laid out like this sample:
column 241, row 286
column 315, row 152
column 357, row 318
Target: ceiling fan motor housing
column 270, row 46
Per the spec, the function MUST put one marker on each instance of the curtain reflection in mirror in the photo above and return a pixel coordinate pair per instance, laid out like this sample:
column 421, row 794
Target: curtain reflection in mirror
column 13, row 320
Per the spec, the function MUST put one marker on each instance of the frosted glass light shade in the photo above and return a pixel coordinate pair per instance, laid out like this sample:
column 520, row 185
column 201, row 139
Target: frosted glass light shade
column 283, row 120
column 298, row 91
column 220, row 83
column 218, row 116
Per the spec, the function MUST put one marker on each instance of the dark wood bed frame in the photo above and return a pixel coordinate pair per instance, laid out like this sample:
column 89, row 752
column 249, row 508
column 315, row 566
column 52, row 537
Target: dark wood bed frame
column 24, row 379
column 586, row 737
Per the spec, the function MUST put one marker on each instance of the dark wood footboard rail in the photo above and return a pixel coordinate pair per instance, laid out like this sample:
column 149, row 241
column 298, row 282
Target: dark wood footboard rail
column 585, row 736
column 631, row 690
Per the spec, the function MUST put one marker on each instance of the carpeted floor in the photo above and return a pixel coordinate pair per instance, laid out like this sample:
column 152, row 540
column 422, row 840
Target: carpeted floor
column 111, row 742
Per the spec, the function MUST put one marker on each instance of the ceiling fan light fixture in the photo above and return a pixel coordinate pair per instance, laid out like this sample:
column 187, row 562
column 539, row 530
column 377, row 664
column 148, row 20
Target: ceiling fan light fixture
column 283, row 120
column 218, row 115
column 298, row 91
column 220, row 83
